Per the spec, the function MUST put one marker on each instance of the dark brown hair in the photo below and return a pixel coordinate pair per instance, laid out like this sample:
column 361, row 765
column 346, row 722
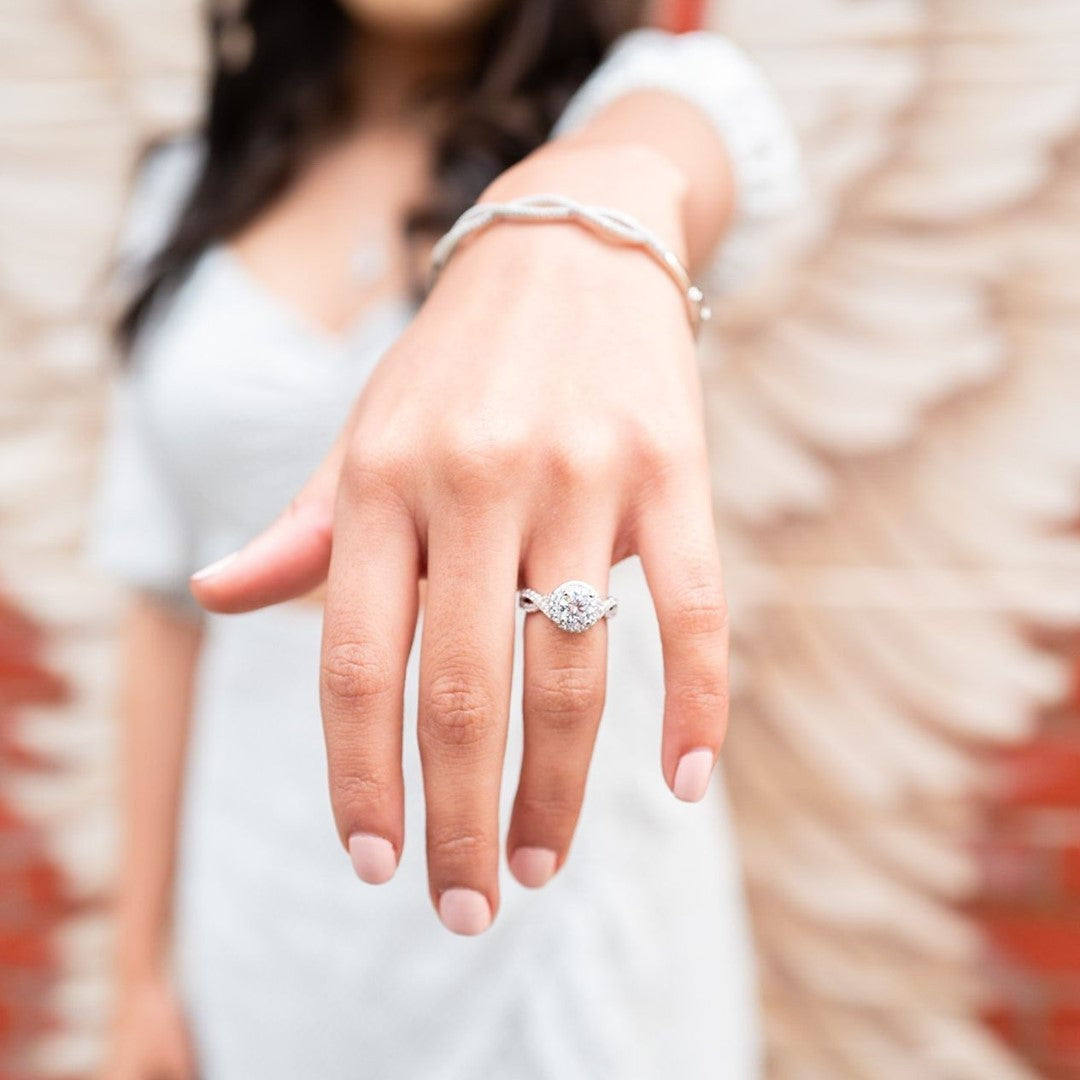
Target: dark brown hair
column 263, row 122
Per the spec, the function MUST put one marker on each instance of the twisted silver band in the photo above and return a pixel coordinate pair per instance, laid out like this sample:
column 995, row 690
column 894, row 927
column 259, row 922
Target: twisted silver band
column 616, row 224
column 574, row 606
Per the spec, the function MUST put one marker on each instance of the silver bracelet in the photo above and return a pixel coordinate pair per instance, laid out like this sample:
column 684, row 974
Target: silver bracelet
column 603, row 219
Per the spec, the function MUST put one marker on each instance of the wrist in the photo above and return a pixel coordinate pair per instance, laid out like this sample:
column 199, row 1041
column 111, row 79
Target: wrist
column 514, row 258
column 631, row 177
column 140, row 953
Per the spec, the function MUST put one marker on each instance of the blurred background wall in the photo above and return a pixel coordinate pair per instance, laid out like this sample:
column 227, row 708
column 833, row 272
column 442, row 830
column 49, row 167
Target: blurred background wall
column 82, row 86
column 898, row 471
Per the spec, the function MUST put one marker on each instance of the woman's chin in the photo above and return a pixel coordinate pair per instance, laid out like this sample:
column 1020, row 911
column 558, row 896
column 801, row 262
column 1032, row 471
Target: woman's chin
column 424, row 17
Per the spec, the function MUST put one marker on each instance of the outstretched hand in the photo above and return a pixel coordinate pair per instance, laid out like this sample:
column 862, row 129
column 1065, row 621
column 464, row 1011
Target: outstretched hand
column 540, row 420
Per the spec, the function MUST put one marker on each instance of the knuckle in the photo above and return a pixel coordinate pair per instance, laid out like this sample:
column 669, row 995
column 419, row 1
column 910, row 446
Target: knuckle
column 375, row 465
column 314, row 514
column 706, row 696
column 667, row 457
column 353, row 789
column 481, row 463
column 457, row 843
column 460, row 710
column 557, row 808
column 582, row 461
column 354, row 671
column 700, row 610
column 565, row 696
column 654, row 445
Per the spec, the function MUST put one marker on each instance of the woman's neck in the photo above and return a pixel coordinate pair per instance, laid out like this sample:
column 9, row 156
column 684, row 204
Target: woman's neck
column 389, row 73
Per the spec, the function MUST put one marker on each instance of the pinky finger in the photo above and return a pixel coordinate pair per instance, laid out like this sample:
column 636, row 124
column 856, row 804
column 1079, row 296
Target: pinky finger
column 678, row 549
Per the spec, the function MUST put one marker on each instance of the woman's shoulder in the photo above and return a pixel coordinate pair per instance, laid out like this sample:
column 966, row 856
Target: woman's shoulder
column 704, row 66
column 163, row 181
column 712, row 73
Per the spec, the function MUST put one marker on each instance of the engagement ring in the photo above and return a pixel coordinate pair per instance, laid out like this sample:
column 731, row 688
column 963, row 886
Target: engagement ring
column 574, row 606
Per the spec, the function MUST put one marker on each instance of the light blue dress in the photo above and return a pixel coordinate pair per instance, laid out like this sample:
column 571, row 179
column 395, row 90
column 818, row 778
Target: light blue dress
column 634, row 963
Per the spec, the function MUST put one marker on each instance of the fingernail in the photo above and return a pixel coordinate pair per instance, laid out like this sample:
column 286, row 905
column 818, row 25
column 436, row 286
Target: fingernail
column 373, row 858
column 692, row 775
column 533, row 866
column 464, row 911
column 214, row 567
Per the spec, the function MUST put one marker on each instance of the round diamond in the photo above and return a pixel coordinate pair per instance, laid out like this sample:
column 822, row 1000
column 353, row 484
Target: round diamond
column 574, row 606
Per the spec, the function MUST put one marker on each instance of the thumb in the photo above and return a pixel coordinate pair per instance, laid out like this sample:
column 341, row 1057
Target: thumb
column 285, row 560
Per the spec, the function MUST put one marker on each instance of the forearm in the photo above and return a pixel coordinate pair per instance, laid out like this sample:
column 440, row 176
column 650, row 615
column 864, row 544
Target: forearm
column 160, row 653
column 650, row 153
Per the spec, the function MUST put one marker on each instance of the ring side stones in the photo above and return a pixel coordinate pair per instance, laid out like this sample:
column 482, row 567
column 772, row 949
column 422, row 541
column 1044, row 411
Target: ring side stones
column 574, row 606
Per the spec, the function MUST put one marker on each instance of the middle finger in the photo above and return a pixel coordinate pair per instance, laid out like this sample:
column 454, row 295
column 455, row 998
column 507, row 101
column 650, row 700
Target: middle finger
column 466, row 658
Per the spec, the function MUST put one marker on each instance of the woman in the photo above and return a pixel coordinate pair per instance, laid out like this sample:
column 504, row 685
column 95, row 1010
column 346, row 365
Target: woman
column 537, row 418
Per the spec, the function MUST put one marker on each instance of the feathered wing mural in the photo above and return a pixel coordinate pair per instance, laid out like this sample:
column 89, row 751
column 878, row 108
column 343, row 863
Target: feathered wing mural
column 891, row 395
column 83, row 85
column 893, row 399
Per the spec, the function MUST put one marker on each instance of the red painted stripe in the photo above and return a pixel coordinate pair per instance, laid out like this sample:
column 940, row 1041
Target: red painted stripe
column 1045, row 773
column 1040, row 943
column 35, row 900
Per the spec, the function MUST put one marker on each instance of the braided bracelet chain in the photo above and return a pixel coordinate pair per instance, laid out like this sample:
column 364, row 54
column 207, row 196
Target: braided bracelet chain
column 610, row 222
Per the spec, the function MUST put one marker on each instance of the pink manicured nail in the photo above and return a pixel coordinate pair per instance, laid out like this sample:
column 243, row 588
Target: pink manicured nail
column 214, row 567
column 692, row 775
column 533, row 866
column 465, row 911
column 372, row 857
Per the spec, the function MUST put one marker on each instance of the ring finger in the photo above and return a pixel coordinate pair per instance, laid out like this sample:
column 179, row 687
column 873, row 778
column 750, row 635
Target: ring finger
column 564, row 687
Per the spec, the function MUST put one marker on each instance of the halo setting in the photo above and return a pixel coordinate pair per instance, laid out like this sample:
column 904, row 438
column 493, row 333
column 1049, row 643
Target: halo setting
column 573, row 606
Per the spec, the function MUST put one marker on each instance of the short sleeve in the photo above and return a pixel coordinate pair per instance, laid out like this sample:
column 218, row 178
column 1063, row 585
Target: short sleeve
column 138, row 533
column 710, row 72
column 162, row 184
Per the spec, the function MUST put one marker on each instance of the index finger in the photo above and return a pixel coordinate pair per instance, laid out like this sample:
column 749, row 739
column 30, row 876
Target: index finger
column 369, row 620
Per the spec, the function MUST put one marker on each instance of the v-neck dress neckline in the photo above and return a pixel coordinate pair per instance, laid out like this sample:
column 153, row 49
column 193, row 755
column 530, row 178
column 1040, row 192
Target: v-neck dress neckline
column 396, row 308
